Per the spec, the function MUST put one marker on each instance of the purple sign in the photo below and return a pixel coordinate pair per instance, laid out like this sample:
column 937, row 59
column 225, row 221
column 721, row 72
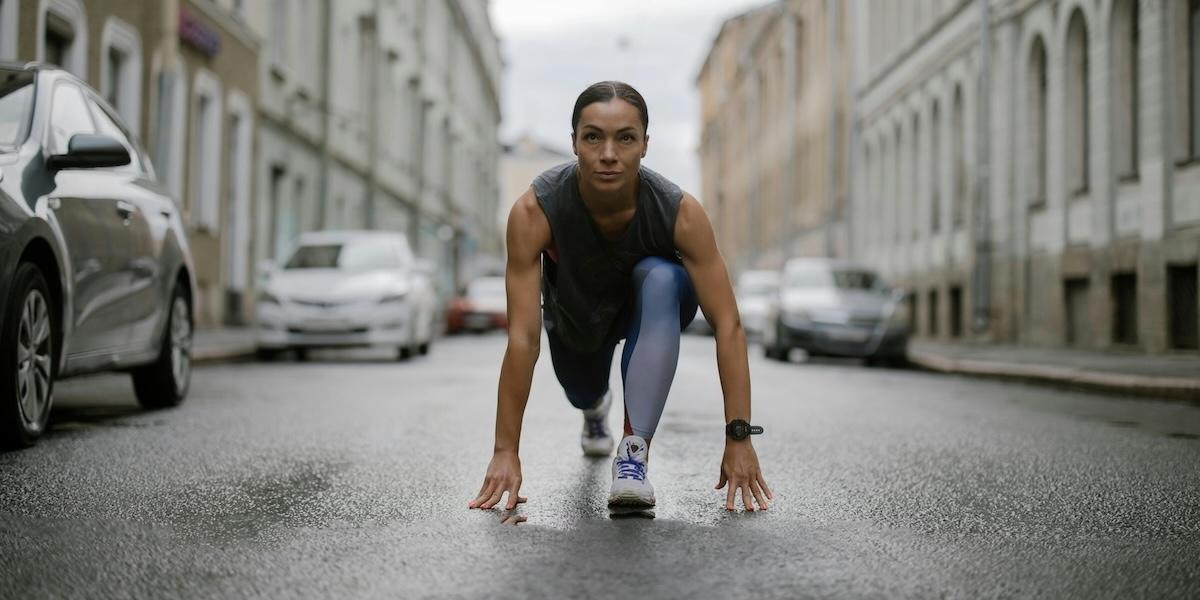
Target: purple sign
column 198, row 35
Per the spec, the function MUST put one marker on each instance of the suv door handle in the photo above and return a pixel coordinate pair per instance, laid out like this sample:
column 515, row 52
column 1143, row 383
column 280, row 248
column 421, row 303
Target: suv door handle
column 125, row 208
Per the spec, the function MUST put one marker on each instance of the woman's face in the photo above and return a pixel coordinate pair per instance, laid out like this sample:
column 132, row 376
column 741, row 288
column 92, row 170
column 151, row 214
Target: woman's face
column 610, row 143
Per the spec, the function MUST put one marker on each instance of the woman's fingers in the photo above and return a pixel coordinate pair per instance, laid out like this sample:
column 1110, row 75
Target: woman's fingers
column 747, row 497
column 485, row 492
column 763, row 482
column 729, row 497
column 758, row 495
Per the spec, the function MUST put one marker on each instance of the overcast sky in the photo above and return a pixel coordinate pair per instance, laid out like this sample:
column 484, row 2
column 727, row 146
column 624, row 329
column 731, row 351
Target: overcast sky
column 555, row 49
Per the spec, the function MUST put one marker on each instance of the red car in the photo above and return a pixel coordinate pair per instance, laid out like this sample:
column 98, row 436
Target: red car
column 482, row 308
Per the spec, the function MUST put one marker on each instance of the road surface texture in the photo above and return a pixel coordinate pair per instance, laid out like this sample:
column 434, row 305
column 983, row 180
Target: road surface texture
column 349, row 476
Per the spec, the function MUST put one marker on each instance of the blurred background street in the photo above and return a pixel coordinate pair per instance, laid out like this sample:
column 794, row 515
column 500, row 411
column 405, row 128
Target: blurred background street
column 252, row 305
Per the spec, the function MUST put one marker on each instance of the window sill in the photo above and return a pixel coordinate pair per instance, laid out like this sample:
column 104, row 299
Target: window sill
column 1185, row 163
column 278, row 73
column 1037, row 204
column 1129, row 178
column 1079, row 193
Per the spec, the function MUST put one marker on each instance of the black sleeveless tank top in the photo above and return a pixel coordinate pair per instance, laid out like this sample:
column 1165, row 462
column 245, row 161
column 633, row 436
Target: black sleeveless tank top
column 586, row 280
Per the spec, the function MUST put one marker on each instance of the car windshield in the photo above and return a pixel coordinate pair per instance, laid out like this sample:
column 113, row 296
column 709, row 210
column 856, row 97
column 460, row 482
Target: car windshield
column 16, row 96
column 357, row 255
column 486, row 288
column 840, row 278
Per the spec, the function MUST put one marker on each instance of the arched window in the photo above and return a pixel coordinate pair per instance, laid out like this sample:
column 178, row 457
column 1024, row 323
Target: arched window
column 935, row 162
column 63, row 35
column 958, row 132
column 121, row 71
column 1036, row 113
column 1125, row 86
column 1077, row 132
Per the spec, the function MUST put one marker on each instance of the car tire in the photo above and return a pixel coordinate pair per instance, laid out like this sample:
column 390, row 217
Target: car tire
column 165, row 382
column 404, row 353
column 29, row 329
column 774, row 350
column 301, row 354
column 423, row 348
column 266, row 354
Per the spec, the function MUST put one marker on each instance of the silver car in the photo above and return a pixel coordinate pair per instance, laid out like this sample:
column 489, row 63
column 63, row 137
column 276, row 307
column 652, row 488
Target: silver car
column 95, row 271
column 754, row 292
column 347, row 289
column 836, row 308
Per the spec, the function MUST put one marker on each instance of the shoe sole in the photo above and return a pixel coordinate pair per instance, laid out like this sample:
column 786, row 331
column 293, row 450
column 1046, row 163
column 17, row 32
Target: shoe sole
column 630, row 499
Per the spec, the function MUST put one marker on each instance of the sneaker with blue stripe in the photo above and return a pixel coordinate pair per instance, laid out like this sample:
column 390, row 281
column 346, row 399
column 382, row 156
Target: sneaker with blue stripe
column 630, row 486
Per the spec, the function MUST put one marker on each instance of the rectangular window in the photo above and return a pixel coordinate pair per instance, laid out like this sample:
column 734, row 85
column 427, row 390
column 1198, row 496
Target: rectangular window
column 58, row 40
column 1124, row 303
column 279, row 32
column 1075, row 294
column 956, row 312
column 1182, row 307
column 1194, row 75
column 933, row 313
column 116, row 63
column 199, row 183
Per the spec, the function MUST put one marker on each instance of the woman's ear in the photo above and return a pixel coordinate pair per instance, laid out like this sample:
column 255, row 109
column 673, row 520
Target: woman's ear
column 573, row 150
column 645, row 146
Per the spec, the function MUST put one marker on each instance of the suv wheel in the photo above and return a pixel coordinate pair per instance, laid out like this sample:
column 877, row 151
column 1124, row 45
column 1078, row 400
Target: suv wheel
column 164, row 383
column 27, row 359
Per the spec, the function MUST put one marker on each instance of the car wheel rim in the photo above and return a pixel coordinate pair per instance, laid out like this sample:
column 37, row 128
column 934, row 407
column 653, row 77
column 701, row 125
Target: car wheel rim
column 181, row 343
column 33, row 359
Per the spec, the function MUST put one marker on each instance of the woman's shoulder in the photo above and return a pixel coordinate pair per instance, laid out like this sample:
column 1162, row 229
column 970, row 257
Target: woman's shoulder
column 551, row 181
column 661, row 186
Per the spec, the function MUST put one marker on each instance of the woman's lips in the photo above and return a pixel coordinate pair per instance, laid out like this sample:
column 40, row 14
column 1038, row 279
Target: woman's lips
column 608, row 174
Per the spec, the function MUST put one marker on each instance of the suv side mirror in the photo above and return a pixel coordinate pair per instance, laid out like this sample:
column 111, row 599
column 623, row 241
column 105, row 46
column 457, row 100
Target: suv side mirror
column 90, row 151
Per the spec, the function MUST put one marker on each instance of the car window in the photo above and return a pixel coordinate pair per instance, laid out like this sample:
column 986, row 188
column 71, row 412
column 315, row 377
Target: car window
column 69, row 115
column 354, row 255
column 808, row 277
column 105, row 124
column 16, row 98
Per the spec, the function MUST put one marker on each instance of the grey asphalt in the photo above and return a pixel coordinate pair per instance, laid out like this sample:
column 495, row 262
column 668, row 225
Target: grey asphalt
column 348, row 476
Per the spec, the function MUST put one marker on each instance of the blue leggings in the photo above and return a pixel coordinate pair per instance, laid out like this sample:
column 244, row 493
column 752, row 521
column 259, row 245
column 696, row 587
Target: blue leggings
column 664, row 303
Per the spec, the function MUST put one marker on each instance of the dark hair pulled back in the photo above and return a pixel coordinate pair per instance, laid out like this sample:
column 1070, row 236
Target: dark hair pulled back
column 607, row 90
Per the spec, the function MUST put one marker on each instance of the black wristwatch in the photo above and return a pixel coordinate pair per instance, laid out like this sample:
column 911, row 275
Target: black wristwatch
column 739, row 429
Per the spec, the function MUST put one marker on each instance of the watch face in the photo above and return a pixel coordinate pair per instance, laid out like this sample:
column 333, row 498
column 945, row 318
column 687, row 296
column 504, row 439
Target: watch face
column 740, row 431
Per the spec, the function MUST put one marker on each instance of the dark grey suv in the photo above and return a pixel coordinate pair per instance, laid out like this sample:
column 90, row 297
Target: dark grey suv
column 95, row 272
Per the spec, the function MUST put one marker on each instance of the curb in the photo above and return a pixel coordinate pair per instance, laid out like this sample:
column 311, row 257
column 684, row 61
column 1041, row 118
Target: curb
column 1176, row 388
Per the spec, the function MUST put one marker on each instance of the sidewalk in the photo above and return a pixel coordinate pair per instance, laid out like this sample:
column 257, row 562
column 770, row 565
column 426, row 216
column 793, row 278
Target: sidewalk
column 1160, row 376
column 222, row 344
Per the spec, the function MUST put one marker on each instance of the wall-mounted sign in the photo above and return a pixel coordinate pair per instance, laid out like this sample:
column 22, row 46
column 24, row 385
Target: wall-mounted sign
column 196, row 34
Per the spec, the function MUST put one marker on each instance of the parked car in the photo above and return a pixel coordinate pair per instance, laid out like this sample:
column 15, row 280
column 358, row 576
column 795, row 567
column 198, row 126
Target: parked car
column 482, row 307
column 95, row 272
column 754, row 292
column 347, row 289
column 836, row 308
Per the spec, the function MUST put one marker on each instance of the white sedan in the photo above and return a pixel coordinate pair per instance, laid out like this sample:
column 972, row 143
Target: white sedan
column 347, row 289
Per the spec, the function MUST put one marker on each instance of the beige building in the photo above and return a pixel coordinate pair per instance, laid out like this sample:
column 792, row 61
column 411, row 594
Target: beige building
column 182, row 73
column 1030, row 169
column 520, row 163
column 774, row 133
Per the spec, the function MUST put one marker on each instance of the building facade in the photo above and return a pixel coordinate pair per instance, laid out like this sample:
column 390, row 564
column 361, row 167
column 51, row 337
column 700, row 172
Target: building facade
column 1029, row 170
column 774, row 143
column 181, row 74
column 521, row 161
column 379, row 115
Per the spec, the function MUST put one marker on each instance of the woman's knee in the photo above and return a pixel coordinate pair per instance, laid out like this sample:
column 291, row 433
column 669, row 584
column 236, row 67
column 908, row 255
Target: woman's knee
column 658, row 275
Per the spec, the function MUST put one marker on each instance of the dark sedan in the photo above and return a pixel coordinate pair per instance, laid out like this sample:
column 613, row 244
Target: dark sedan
column 95, row 272
column 834, row 308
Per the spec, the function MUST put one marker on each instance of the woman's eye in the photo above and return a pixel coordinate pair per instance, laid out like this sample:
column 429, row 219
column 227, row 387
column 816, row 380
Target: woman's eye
column 627, row 138
column 591, row 137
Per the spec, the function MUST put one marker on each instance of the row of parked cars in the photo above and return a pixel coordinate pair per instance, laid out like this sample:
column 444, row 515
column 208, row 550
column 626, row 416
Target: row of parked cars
column 824, row 307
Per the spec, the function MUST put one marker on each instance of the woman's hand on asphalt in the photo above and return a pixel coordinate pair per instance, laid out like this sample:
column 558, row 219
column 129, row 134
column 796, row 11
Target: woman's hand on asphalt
column 503, row 476
column 739, row 468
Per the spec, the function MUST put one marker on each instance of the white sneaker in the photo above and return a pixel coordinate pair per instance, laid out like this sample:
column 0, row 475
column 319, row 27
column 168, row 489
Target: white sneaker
column 596, row 440
column 630, row 486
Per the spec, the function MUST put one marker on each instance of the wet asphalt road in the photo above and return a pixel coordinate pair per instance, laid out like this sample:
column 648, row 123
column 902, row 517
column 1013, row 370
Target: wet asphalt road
column 348, row 476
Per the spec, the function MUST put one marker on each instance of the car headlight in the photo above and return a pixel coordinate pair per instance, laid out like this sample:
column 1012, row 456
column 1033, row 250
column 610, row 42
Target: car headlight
column 796, row 317
column 265, row 297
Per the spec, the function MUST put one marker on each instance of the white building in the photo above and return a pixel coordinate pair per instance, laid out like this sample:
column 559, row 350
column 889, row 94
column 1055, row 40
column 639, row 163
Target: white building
column 1043, row 187
column 380, row 115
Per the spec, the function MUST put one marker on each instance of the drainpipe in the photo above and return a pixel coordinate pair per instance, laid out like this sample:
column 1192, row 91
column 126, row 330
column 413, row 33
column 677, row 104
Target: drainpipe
column 982, row 284
column 169, row 46
column 832, row 58
column 372, row 26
